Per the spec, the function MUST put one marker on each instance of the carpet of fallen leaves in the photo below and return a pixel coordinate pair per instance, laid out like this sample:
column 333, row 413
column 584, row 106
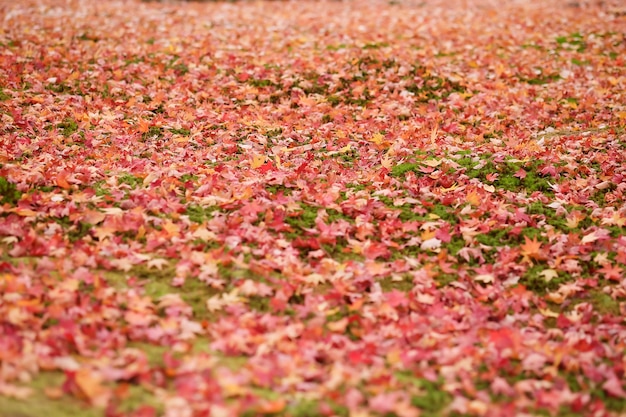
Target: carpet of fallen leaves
column 368, row 208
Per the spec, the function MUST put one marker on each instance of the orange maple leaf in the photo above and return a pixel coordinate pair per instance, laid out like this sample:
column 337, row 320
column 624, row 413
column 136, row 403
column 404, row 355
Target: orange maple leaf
column 61, row 180
column 143, row 125
column 531, row 249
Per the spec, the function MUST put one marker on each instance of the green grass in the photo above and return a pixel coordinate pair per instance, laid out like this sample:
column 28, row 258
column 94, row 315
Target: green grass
column 9, row 194
column 129, row 179
column 199, row 214
column 304, row 219
column 506, row 180
column 68, row 126
column 154, row 132
column 39, row 404
column 541, row 79
column 4, row 96
column 182, row 131
column 401, row 169
column 601, row 302
column 574, row 41
column 537, row 283
column 404, row 285
column 433, row 399
column 158, row 283
column 73, row 230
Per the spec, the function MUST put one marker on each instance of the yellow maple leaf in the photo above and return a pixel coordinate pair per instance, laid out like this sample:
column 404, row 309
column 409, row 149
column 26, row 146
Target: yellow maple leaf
column 257, row 161
column 473, row 198
column 378, row 138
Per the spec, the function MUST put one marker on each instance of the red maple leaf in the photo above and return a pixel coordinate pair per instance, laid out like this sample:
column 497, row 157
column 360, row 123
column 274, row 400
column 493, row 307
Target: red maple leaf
column 612, row 272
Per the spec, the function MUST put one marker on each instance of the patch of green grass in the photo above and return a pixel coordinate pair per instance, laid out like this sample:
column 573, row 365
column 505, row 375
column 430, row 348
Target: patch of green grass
column 433, row 400
column 86, row 37
column 334, row 215
column 158, row 283
column 303, row 409
column 259, row 303
column 158, row 280
column 188, row 177
column 617, row 405
column 443, row 279
column 60, row 88
column 68, row 126
column 503, row 236
column 339, row 251
column 404, row 285
column 336, row 47
column 8, row 192
column 40, row 405
column 541, row 79
column 557, row 221
column 537, row 283
column 495, row 237
column 349, row 157
column 277, row 188
column 154, row 132
column 182, row 131
column 400, row 170
column 260, row 83
column 138, row 396
column 73, row 231
column 375, row 45
column 129, row 179
column 272, row 133
column 409, row 212
column 574, row 41
column 43, row 189
column 431, row 87
column 334, row 100
column 98, row 188
column 180, row 68
column 532, row 45
column 4, row 96
column 133, row 60
column 601, row 302
column 443, row 212
column 578, row 62
column 455, row 245
column 304, row 220
column 199, row 214
column 533, row 181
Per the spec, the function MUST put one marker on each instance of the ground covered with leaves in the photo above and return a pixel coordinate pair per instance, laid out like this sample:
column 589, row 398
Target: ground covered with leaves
column 312, row 208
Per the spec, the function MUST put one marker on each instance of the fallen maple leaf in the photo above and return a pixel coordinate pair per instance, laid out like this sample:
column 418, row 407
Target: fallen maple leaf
column 531, row 249
column 257, row 161
column 93, row 216
column 61, row 180
column 90, row 387
column 614, row 387
column 549, row 274
column 612, row 272
column 157, row 263
column 484, row 278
